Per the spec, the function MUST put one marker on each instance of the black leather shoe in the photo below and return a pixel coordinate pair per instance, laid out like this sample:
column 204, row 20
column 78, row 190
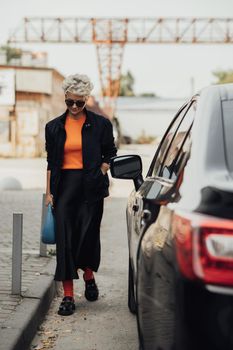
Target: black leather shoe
column 66, row 307
column 91, row 290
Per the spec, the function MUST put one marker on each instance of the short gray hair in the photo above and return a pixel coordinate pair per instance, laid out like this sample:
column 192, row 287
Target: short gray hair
column 78, row 84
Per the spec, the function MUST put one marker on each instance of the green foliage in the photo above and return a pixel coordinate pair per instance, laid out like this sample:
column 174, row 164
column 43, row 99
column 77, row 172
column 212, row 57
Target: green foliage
column 224, row 77
column 147, row 94
column 126, row 87
column 126, row 84
column 11, row 52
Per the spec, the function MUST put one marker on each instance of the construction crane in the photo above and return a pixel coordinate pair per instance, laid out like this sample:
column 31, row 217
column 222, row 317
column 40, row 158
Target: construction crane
column 110, row 35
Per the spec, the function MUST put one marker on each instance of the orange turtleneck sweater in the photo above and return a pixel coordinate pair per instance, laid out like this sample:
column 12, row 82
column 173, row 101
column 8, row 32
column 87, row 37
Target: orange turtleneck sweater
column 73, row 145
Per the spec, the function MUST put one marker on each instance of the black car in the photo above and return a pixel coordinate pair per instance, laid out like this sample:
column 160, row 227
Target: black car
column 180, row 229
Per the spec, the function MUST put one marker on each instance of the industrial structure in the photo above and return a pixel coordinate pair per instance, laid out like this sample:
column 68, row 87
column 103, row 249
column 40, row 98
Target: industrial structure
column 110, row 35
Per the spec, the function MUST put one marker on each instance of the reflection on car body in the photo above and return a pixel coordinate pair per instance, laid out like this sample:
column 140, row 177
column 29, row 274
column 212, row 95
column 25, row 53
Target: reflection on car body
column 180, row 229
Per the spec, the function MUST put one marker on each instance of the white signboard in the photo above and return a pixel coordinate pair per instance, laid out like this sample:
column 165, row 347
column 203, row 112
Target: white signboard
column 7, row 87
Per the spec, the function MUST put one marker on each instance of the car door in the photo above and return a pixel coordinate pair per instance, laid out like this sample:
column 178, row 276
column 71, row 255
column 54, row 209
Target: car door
column 142, row 212
column 155, row 252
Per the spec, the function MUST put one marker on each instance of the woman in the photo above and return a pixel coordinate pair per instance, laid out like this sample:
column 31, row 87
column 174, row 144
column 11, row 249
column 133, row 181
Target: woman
column 79, row 145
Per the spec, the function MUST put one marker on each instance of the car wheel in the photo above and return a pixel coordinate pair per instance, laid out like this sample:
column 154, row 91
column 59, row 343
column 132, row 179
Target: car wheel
column 131, row 297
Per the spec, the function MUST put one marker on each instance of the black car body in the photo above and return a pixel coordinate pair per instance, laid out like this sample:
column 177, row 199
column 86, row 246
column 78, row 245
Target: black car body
column 180, row 229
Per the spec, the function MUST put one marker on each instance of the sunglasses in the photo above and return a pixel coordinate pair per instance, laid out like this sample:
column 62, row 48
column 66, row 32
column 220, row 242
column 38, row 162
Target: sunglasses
column 79, row 103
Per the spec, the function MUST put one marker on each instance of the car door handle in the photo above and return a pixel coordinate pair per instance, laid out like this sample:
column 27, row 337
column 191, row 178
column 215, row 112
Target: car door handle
column 146, row 215
column 135, row 207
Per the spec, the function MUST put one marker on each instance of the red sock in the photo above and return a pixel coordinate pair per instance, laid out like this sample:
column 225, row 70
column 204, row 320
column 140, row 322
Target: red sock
column 68, row 288
column 88, row 274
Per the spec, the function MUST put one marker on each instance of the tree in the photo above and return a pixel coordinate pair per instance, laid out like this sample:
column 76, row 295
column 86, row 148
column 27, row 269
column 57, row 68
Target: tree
column 147, row 94
column 11, row 52
column 126, row 87
column 126, row 84
column 223, row 77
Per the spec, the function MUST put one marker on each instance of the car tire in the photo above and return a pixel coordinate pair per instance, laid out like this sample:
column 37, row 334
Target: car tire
column 131, row 297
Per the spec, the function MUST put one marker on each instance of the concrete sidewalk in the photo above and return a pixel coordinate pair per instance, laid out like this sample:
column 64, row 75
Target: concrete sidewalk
column 25, row 313
column 28, row 173
column 21, row 314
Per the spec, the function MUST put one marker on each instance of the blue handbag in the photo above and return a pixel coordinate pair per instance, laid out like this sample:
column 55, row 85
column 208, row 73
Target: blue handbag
column 48, row 230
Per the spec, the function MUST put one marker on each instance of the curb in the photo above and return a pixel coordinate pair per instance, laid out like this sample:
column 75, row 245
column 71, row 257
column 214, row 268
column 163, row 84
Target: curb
column 19, row 330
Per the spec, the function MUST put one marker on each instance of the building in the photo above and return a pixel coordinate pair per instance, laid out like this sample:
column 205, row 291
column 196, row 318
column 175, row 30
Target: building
column 18, row 57
column 29, row 97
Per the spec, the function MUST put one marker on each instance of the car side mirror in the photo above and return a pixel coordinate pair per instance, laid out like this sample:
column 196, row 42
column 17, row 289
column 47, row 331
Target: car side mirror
column 127, row 167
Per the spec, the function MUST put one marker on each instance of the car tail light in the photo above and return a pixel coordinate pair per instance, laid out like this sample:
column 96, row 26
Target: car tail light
column 204, row 248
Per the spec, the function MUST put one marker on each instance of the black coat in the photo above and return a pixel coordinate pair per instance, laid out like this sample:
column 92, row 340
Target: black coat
column 97, row 147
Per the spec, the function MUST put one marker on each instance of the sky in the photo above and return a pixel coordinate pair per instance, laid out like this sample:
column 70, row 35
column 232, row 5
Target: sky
column 166, row 70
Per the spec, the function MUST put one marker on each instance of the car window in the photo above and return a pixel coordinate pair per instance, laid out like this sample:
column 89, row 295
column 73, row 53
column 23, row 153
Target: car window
column 227, row 108
column 180, row 158
column 170, row 166
column 158, row 159
column 170, row 156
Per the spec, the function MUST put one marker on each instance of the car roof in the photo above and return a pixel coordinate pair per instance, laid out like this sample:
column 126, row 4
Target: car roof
column 207, row 165
column 208, row 135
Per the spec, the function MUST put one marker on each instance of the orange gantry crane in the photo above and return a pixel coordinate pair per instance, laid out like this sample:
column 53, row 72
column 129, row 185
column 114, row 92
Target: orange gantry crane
column 110, row 35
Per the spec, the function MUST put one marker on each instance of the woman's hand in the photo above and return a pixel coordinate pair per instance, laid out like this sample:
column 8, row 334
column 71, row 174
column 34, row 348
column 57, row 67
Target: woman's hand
column 48, row 199
column 104, row 168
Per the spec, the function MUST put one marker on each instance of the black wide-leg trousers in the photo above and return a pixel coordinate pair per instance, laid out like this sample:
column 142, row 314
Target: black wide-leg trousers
column 77, row 227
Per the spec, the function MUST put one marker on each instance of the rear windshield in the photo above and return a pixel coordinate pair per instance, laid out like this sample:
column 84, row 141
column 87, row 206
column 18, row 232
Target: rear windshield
column 227, row 107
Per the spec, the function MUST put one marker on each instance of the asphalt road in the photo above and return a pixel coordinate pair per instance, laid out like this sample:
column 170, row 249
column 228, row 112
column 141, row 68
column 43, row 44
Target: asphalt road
column 105, row 324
